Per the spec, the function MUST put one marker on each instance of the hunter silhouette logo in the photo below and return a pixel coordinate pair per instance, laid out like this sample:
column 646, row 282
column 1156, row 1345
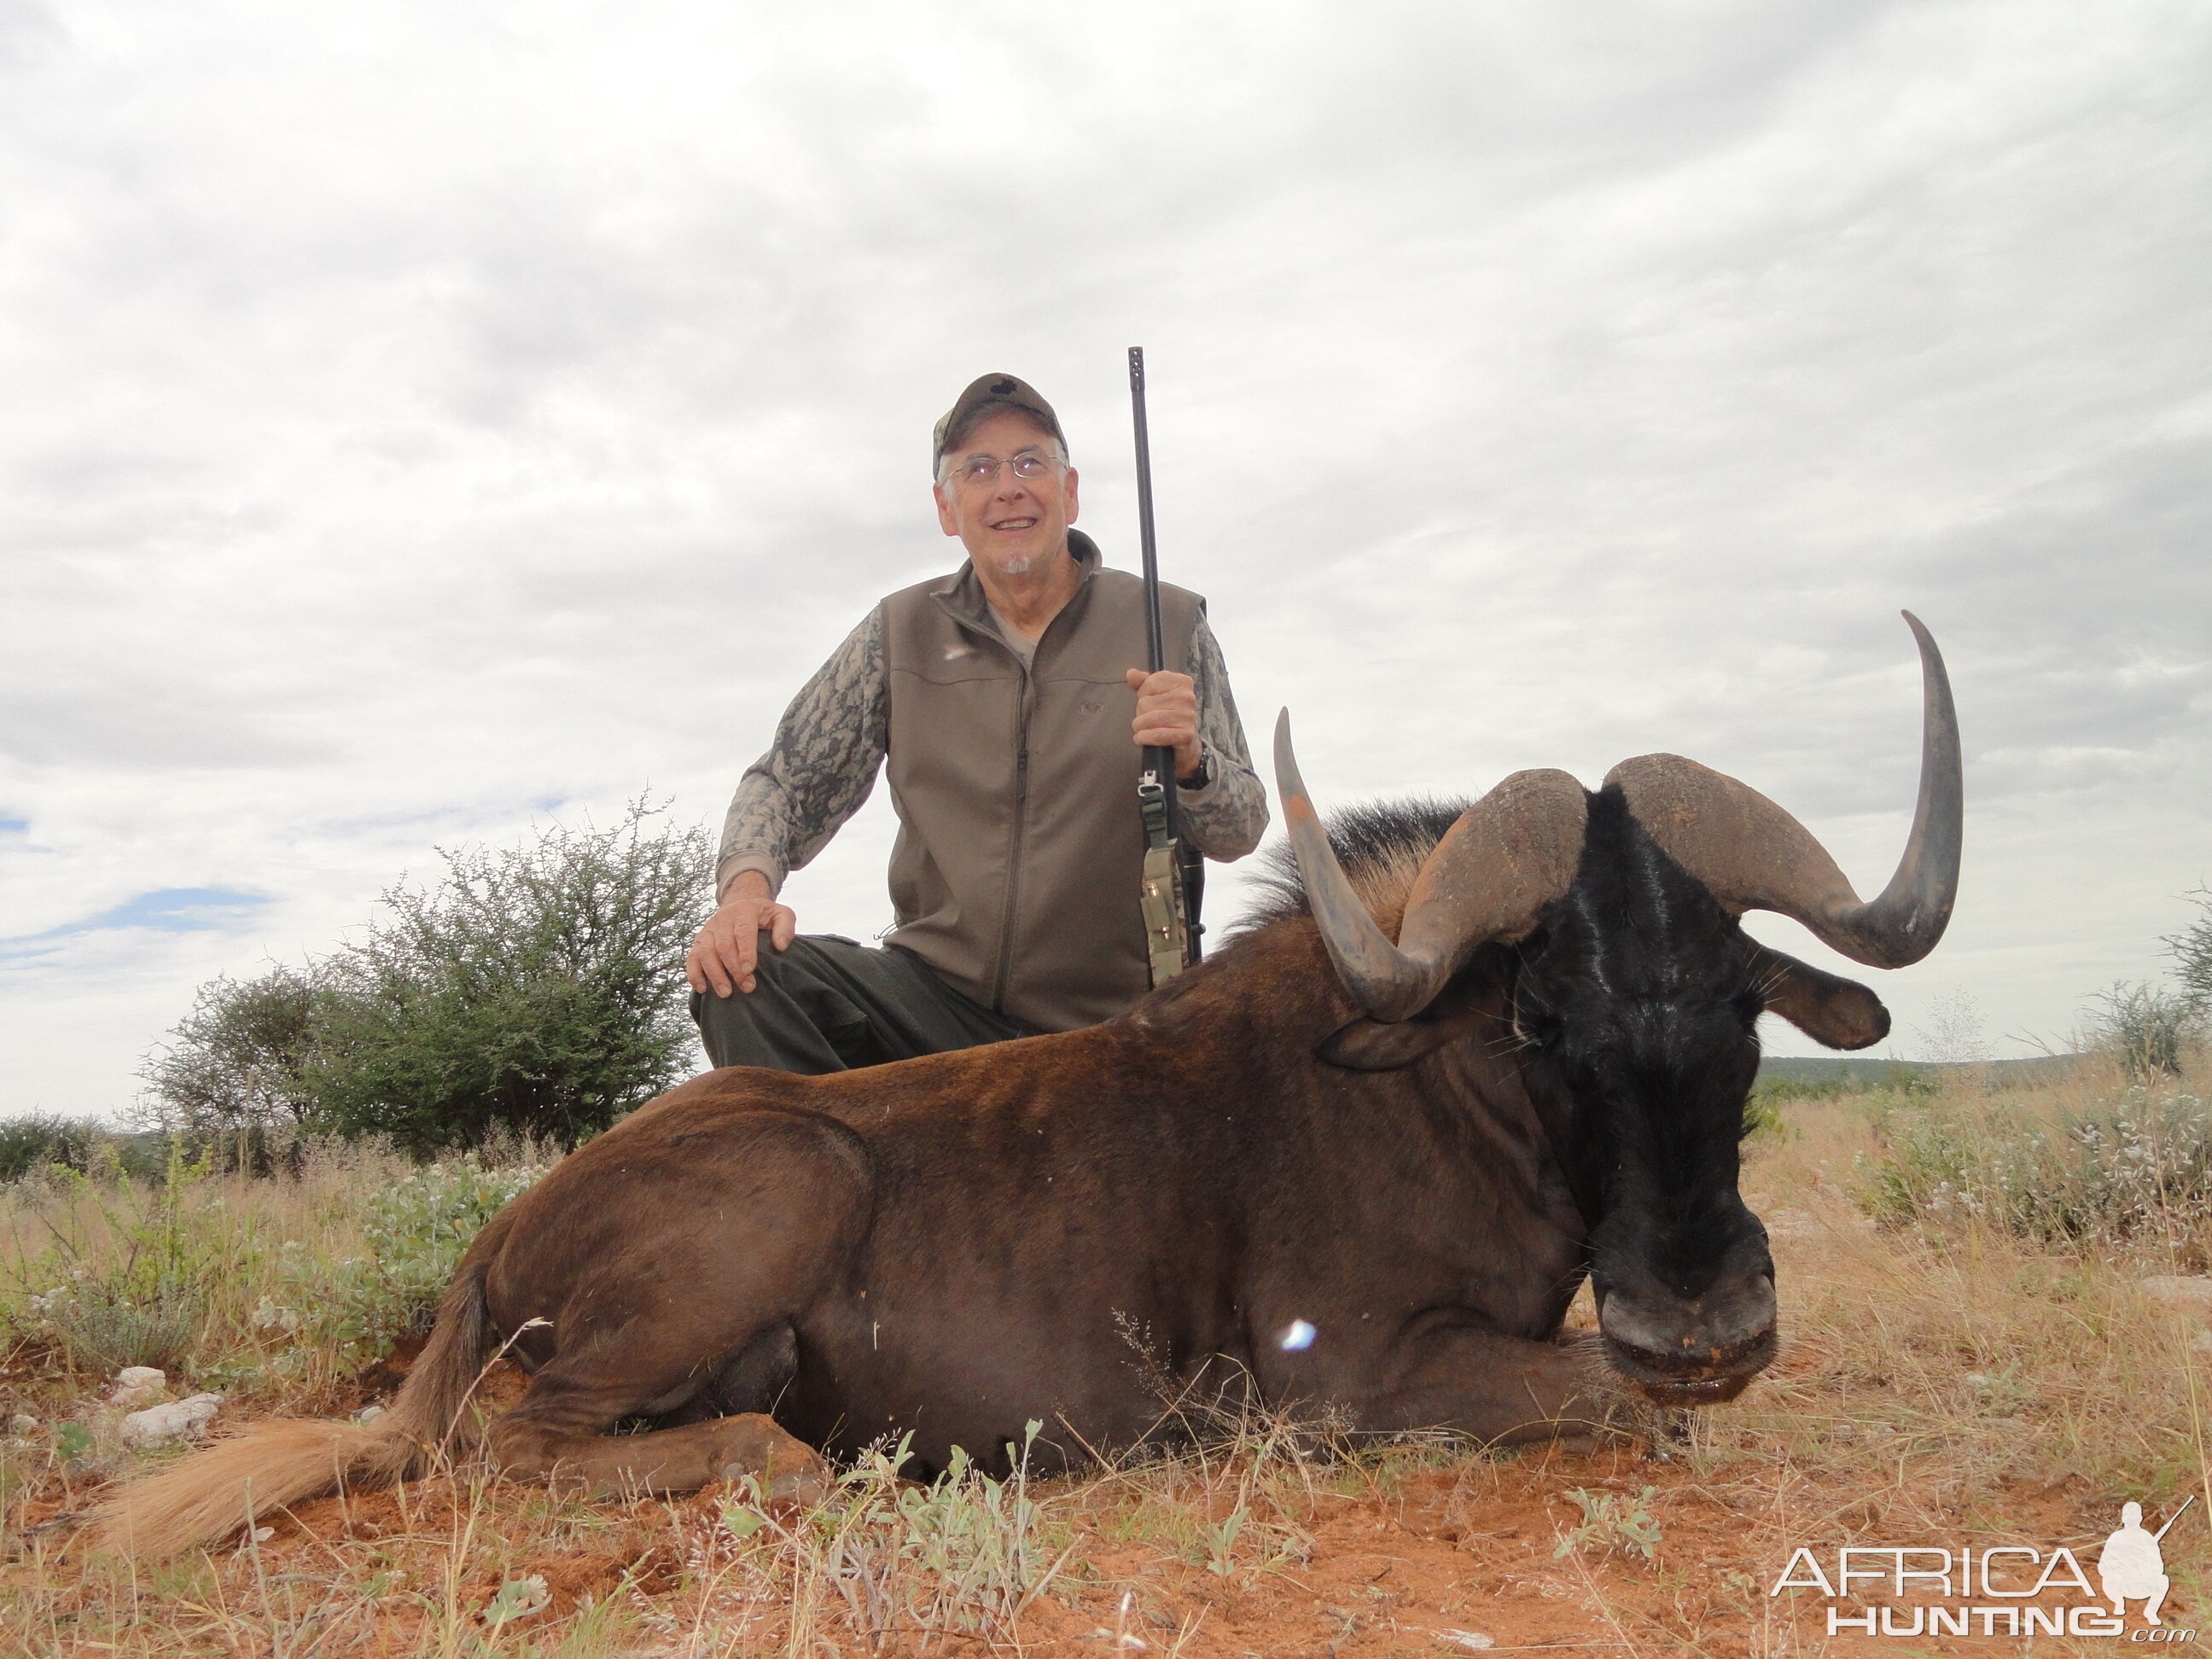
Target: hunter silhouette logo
column 2132, row 1565
column 2001, row 1589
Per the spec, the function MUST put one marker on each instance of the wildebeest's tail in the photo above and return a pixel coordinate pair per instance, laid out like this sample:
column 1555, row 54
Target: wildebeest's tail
column 214, row 1492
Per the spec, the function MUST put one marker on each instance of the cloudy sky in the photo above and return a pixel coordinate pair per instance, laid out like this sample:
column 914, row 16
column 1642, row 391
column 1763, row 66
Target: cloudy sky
column 425, row 420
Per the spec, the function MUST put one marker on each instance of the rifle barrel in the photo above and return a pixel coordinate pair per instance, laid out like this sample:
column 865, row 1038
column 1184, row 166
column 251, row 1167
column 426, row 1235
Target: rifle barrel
column 1160, row 763
column 1154, row 645
column 2160, row 1534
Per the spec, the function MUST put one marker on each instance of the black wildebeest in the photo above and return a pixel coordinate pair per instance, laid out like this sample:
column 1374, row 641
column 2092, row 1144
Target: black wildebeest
column 1359, row 1162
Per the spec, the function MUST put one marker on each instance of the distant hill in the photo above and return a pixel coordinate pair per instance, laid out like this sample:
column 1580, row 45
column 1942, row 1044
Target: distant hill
column 1853, row 1076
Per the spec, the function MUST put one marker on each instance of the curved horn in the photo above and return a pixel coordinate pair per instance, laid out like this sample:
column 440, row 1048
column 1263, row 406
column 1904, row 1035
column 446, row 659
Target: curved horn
column 1508, row 856
column 1754, row 856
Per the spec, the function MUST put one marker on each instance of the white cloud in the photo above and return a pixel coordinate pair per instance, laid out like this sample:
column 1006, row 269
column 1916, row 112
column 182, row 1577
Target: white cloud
column 440, row 416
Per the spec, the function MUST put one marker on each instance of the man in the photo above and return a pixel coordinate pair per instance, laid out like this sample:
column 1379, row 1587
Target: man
column 1005, row 702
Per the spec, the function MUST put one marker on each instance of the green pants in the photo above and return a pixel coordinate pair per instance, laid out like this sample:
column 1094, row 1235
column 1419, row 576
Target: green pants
column 829, row 1005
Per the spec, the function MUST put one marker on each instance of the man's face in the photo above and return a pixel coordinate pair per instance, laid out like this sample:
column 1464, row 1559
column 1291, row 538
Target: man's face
column 1009, row 525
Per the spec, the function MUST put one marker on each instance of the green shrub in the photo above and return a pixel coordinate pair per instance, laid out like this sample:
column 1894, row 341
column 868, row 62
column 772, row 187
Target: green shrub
column 964, row 1553
column 414, row 1234
column 1612, row 1523
column 2145, row 1028
column 2192, row 953
column 37, row 1140
column 538, row 991
column 1896, row 1086
column 103, row 1327
column 236, row 1069
column 239, row 1283
column 1762, row 1109
column 139, row 1299
column 1908, row 1082
column 2141, row 1163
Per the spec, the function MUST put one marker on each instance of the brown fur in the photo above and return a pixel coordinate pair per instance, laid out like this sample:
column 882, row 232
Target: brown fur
column 762, row 1268
column 873, row 1224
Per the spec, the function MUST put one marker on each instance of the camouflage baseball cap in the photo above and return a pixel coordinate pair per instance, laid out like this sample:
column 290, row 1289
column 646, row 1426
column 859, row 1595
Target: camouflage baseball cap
column 986, row 392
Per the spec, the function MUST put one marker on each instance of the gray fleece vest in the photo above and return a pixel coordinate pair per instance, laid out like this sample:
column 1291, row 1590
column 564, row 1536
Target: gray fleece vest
column 1019, row 847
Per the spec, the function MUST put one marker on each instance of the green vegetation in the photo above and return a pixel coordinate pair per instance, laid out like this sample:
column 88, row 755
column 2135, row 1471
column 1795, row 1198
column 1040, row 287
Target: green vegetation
column 2192, row 953
column 238, row 1063
column 962, row 1554
column 2145, row 1028
column 537, row 991
column 2149, row 1029
column 1891, row 1078
column 135, row 1299
column 33, row 1142
column 1945, row 1360
column 1939, row 1359
column 413, row 1234
column 1612, row 1523
column 2138, row 1164
column 234, row 1283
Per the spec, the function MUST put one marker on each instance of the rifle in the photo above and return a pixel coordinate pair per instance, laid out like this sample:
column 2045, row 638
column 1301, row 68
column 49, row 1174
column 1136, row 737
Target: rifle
column 2170, row 1520
column 1175, row 870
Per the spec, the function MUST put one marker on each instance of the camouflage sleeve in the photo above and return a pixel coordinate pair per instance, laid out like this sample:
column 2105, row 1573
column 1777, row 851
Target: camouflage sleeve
column 818, row 771
column 1227, row 817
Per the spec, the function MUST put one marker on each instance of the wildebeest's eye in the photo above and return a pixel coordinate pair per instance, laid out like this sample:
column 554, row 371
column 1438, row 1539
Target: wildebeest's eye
column 1535, row 1029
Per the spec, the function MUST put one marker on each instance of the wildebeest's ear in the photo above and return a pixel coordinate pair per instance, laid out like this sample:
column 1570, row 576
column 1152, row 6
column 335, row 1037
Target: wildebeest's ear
column 1839, row 1012
column 1370, row 1045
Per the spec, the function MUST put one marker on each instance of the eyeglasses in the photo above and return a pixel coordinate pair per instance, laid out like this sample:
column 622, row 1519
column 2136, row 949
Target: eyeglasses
column 982, row 471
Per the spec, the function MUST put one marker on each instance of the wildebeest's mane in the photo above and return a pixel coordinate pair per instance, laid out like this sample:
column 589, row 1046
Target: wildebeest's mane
column 1381, row 845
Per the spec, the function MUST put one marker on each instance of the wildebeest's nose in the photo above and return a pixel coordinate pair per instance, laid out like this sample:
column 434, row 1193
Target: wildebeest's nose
column 1692, row 1350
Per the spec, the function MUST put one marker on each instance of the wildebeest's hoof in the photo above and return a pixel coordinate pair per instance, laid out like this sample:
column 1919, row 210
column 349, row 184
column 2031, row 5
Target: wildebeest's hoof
column 804, row 1487
column 754, row 1445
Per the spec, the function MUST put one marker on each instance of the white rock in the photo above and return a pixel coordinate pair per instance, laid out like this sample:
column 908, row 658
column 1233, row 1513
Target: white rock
column 138, row 1385
column 160, row 1426
column 1473, row 1640
column 21, row 1423
column 2180, row 1292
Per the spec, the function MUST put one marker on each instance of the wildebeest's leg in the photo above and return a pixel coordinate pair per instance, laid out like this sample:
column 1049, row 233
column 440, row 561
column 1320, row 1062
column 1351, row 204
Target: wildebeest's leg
column 1502, row 1389
column 558, row 1431
column 668, row 1460
column 687, row 1309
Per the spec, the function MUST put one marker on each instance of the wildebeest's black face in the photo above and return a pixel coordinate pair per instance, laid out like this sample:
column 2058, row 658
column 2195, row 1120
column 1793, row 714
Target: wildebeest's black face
column 1635, row 997
column 1636, row 1004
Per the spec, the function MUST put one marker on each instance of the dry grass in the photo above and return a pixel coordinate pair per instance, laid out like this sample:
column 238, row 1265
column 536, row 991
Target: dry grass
column 1947, row 1381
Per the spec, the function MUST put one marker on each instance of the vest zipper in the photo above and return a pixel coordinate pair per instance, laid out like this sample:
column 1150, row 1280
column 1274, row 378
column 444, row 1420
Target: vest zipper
column 1014, row 852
